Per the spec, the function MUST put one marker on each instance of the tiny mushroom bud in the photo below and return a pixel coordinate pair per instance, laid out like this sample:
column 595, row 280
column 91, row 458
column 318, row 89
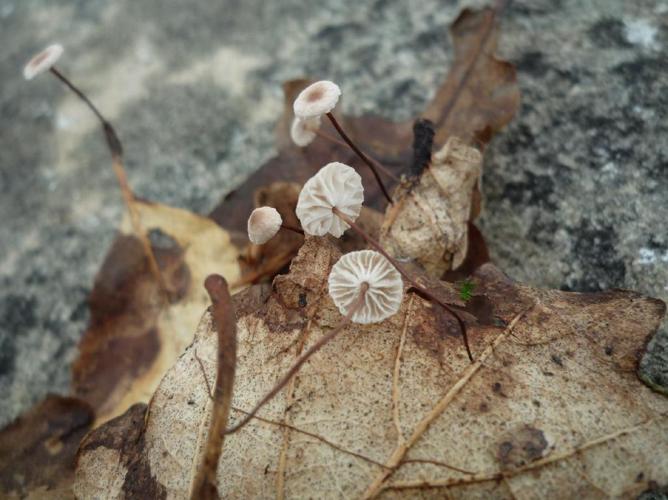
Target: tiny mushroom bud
column 336, row 185
column 385, row 287
column 43, row 61
column 263, row 224
column 317, row 99
column 302, row 131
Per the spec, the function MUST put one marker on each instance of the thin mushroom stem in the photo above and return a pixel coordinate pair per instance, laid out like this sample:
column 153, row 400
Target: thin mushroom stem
column 334, row 140
column 116, row 149
column 359, row 153
column 292, row 228
column 415, row 286
column 359, row 301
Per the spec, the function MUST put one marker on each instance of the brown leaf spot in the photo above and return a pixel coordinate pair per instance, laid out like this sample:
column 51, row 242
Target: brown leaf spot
column 123, row 341
column 521, row 446
column 125, row 434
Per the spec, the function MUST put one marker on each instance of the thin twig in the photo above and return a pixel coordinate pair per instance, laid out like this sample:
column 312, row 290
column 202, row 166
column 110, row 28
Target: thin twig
column 400, row 451
column 496, row 476
column 396, row 392
column 204, row 483
column 302, row 359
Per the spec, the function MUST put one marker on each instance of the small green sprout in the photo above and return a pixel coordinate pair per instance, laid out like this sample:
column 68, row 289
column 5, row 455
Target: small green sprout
column 466, row 290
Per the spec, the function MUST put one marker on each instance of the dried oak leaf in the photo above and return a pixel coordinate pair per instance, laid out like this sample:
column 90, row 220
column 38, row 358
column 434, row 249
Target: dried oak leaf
column 429, row 221
column 552, row 406
column 479, row 96
column 135, row 332
column 37, row 450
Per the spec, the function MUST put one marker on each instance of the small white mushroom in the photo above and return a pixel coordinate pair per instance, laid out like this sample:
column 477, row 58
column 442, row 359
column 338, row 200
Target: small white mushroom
column 383, row 297
column 43, row 61
column 263, row 224
column 317, row 99
column 302, row 131
column 335, row 185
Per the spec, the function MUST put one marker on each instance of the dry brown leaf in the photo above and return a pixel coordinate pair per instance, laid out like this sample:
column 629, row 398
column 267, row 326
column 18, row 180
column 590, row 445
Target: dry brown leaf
column 480, row 95
column 37, row 450
column 552, row 407
column 430, row 219
column 134, row 336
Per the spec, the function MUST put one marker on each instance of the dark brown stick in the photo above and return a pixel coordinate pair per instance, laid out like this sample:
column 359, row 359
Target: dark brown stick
column 224, row 320
column 302, row 359
column 417, row 287
column 359, row 153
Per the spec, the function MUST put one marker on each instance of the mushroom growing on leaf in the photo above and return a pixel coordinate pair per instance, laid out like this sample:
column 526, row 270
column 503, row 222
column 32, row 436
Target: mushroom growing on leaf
column 43, row 61
column 319, row 99
column 263, row 224
column 336, row 185
column 383, row 297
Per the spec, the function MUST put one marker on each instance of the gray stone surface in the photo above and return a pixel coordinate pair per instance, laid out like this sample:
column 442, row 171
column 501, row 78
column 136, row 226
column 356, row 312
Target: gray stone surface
column 576, row 187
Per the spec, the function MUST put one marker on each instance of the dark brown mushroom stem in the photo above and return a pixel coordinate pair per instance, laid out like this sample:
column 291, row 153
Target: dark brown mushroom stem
column 359, row 301
column 415, row 286
column 292, row 228
column 334, row 140
column 359, row 153
column 116, row 149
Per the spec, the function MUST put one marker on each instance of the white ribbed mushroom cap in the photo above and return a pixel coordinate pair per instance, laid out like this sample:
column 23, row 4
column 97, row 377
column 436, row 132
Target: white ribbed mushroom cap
column 43, row 61
column 382, row 299
column 263, row 224
column 317, row 99
column 302, row 131
column 335, row 185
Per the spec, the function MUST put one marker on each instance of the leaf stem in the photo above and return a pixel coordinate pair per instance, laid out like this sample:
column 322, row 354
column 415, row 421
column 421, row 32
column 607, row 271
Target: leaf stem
column 204, row 483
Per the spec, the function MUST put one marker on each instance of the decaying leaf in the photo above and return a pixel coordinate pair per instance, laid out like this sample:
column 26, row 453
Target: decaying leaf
column 551, row 407
column 37, row 450
column 430, row 218
column 135, row 332
column 480, row 95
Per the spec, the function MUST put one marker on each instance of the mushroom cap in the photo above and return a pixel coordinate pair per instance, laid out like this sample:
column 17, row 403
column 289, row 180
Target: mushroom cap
column 302, row 130
column 263, row 224
column 43, row 61
column 386, row 289
column 317, row 99
column 335, row 185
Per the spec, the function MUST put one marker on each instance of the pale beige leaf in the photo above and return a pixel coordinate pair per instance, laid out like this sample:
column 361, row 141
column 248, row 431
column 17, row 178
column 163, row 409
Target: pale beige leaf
column 552, row 407
column 429, row 221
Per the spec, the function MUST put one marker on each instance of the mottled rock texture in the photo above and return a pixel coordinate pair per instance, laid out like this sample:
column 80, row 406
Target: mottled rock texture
column 576, row 188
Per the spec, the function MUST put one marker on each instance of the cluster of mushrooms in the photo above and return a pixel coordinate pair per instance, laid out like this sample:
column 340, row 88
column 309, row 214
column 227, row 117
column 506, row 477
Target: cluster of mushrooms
column 366, row 286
